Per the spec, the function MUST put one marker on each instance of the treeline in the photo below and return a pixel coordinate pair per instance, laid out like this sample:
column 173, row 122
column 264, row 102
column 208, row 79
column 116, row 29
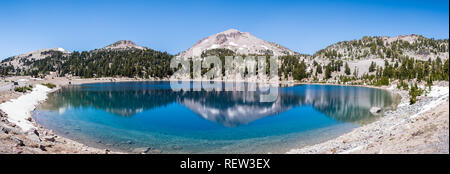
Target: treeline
column 292, row 67
column 403, row 69
column 131, row 63
column 106, row 63
column 148, row 63
column 406, row 69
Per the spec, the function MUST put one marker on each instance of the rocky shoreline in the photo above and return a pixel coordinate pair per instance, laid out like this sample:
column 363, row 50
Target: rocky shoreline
column 39, row 140
column 419, row 128
column 383, row 136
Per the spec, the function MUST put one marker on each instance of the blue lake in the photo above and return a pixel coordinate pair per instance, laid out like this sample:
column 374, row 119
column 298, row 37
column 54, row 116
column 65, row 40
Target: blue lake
column 128, row 115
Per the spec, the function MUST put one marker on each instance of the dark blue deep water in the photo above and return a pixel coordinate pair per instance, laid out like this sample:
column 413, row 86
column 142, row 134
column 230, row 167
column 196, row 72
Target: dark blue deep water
column 128, row 115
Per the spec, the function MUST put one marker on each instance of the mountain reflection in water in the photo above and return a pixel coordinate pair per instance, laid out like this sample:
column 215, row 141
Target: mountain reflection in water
column 228, row 108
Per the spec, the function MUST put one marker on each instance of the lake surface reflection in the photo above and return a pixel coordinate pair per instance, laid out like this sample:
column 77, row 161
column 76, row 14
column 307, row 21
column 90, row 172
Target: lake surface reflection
column 129, row 115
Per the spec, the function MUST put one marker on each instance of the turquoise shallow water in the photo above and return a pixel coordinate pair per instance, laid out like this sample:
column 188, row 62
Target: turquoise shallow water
column 129, row 115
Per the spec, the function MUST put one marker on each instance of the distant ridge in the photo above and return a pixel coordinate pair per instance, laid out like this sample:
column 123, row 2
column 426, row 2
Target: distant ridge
column 23, row 60
column 123, row 45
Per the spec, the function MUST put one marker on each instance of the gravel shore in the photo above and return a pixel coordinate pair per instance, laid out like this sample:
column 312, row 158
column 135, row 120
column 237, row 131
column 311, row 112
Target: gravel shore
column 14, row 139
column 419, row 128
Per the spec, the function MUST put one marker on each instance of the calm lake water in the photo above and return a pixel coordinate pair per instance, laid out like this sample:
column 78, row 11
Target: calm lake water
column 129, row 115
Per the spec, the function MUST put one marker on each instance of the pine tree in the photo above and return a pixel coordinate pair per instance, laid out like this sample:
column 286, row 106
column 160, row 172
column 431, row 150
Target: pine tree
column 328, row 71
column 372, row 67
column 347, row 69
column 319, row 69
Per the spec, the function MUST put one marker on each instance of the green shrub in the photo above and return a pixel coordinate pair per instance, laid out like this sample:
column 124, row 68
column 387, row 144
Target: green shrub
column 402, row 85
column 49, row 85
column 18, row 89
column 382, row 81
column 414, row 92
column 23, row 89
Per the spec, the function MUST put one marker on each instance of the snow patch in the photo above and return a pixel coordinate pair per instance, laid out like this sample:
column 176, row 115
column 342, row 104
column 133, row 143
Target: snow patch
column 20, row 109
column 214, row 46
column 437, row 92
column 232, row 44
column 61, row 49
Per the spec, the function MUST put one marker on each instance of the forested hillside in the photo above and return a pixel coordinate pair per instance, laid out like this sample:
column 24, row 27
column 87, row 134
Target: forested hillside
column 107, row 63
column 370, row 60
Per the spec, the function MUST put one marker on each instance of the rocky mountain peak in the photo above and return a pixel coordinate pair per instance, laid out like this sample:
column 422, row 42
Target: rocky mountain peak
column 232, row 30
column 124, row 44
column 239, row 42
column 408, row 38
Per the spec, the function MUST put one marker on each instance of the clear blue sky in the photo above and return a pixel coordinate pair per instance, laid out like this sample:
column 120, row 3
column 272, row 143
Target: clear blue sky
column 175, row 25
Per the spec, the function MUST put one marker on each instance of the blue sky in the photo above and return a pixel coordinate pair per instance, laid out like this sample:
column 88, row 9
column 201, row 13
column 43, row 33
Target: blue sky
column 175, row 25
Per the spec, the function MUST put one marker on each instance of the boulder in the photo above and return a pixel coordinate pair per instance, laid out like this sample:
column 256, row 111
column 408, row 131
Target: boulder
column 177, row 147
column 375, row 110
column 3, row 114
column 42, row 147
column 33, row 137
column 9, row 129
column 33, row 131
column 141, row 150
column 18, row 141
column 49, row 138
column 155, row 151
column 12, row 124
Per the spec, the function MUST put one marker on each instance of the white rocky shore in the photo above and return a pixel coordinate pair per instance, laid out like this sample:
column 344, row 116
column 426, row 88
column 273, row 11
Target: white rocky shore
column 419, row 128
column 19, row 133
column 19, row 110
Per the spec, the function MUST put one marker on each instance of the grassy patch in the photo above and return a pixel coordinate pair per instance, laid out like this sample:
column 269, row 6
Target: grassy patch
column 49, row 85
column 23, row 89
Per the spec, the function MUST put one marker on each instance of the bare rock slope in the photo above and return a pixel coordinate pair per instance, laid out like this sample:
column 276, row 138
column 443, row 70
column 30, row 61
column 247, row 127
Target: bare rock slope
column 24, row 61
column 242, row 43
column 123, row 45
